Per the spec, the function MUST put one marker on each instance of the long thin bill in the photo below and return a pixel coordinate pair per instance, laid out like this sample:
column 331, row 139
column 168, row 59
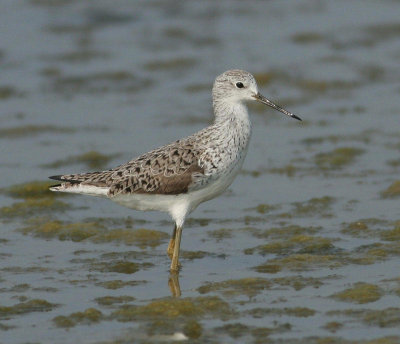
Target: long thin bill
column 259, row 97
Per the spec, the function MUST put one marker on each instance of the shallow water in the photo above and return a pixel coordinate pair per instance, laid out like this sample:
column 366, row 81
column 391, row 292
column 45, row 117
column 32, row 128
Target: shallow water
column 305, row 245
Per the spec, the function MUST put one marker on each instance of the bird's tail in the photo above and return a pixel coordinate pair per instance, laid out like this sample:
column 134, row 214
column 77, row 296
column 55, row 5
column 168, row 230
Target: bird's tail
column 86, row 183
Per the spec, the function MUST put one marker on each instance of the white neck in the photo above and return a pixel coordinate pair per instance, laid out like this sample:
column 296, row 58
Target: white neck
column 228, row 111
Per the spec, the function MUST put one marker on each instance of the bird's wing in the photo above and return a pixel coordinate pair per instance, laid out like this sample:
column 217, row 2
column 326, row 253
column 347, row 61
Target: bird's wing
column 170, row 170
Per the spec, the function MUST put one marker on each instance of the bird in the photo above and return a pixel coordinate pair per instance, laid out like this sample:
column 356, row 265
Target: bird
column 178, row 177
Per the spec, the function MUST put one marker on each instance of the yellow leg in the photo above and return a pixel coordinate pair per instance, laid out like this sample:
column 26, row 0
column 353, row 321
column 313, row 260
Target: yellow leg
column 171, row 245
column 173, row 283
column 177, row 244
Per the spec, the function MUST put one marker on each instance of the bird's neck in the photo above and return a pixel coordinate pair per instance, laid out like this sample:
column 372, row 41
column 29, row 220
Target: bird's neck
column 228, row 111
column 232, row 120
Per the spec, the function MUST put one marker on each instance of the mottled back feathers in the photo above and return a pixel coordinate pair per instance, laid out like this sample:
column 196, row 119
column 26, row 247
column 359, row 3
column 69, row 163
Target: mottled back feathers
column 169, row 170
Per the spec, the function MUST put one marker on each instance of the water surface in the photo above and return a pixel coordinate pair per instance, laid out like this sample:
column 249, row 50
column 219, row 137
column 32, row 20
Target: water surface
column 303, row 248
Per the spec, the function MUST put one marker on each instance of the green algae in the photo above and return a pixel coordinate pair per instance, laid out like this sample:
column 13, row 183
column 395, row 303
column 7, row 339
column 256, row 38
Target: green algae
column 193, row 329
column 265, row 208
column 317, row 205
column 111, row 300
column 360, row 293
column 333, row 326
column 18, row 288
column 338, row 158
column 393, row 163
column 300, row 243
column 118, row 284
column 250, row 286
column 32, row 130
column 393, row 191
column 307, row 38
column 191, row 255
column 139, row 237
column 79, row 56
column 34, row 305
column 267, row 268
column 173, row 308
column 234, row 330
column 63, row 231
column 91, row 159
column 285, row 232
column 323, row 86
column 172, row 64
column 384, row 318
column 31, row 207
column 24, row 270
column 98, row 83
column 369, row 254
column 298, row 282
column 356, row 229
column 93, row 231
column 264, row 78
column 260, row 334
column 4, row 327
column 87, row 317
column 272, row 247
column 301, row 312
column 119, row 266
column 391, row 234
column 220, row 234
column 29, row 190
column 389, row 317
column 306, row 261
column 7, row 92
column 289, row 170
column 196, row 88
column 311, row 244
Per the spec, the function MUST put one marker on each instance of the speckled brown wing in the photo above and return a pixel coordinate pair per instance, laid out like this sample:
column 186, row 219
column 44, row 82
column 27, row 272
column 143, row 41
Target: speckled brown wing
column 169, row 170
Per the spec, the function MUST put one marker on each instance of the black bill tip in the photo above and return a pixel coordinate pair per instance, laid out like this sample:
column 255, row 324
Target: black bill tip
column 296, row 117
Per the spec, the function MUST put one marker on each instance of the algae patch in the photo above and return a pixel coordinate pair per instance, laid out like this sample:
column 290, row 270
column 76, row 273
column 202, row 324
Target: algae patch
column 35, row 305
column 87, row 317
column 60, row 230
column 31, row 207
column 318, row 205
column 172, row 64
column 393, row 191
column 306, row 261
column 302, row 312
column 119, row 266
column 32, row 130
column 173, row 308
column 111, row 300
column 337, row 158
column 250, row 286
column 33, row 189
column 139, row 237
column 299, row 243
column 360, row 293
column 98, row 83
column 95, row 232
column 384, row 318
column 220, row 234
column 92, row 159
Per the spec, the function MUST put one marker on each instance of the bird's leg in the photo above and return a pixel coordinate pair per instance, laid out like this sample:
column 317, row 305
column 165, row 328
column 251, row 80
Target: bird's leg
column 171, row 245
column 177, row 244
column 173, row 283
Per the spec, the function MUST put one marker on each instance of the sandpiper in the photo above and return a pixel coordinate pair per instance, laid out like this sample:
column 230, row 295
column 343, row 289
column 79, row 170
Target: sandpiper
column 177, row 177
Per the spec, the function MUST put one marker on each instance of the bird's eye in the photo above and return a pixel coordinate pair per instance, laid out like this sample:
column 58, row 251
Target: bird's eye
column 239, row 85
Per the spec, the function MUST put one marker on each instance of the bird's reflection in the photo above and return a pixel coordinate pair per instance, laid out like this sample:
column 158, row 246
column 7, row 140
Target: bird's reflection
column 173, row 283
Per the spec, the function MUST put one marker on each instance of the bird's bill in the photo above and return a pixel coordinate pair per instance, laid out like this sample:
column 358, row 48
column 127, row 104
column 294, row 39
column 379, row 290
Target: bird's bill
column 260, row 98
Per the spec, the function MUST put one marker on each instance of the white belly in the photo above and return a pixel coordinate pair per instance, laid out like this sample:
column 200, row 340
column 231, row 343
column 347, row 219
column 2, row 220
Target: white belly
column 178, row 206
